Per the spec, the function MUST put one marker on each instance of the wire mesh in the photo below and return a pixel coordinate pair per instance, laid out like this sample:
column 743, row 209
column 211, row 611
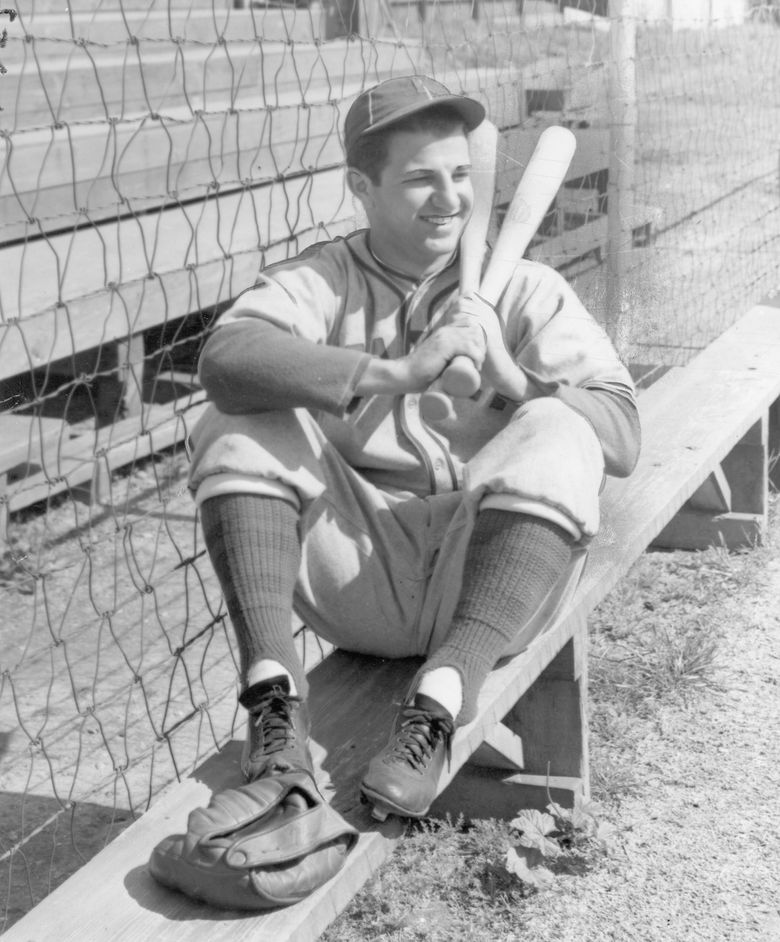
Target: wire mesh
column 156, row 153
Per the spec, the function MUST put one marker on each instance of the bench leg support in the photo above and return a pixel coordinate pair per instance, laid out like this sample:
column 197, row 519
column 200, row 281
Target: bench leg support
column 551, row 721
column 774, row 445
column 730, row 508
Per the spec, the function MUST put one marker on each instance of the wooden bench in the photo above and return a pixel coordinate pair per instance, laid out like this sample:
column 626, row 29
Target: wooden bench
column 708, row 432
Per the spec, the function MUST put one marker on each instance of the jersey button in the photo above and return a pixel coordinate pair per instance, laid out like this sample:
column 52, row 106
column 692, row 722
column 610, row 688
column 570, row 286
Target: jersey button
column 412, row 402
column 438, row 464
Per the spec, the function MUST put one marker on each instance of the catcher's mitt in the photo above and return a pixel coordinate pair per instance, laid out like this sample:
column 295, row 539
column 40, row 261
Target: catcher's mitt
column 266, row 844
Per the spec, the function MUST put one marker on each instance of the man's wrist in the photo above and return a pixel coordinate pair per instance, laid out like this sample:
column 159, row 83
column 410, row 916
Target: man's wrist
column 384, row 377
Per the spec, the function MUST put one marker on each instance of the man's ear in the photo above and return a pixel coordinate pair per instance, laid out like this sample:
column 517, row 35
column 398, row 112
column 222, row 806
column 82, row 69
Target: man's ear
column 360, row 186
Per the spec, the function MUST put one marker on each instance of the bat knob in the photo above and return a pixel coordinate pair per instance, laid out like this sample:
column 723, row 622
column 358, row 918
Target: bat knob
column 461, row 378
column 436, row 406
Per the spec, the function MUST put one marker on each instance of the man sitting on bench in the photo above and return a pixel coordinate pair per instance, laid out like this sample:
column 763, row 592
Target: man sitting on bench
column 322, row 489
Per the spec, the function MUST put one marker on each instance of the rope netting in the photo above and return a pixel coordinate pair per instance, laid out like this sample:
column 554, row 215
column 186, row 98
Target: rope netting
column 155, row 154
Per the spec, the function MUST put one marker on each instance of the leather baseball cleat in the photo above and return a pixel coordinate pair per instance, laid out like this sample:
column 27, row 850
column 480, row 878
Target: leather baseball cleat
column 403, row 778
column 277, row 730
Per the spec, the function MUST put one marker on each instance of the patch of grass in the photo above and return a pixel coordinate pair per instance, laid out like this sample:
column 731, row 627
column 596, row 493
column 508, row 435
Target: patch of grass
column 446, row 881
column 655, row 642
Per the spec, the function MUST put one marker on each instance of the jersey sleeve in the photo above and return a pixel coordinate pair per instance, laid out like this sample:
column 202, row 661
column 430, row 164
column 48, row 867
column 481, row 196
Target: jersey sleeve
column 276, row 346
column 567, row 354
column 554, row 338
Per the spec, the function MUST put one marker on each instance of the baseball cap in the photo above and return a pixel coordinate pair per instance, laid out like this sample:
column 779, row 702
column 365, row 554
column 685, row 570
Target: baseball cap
column 397, row 98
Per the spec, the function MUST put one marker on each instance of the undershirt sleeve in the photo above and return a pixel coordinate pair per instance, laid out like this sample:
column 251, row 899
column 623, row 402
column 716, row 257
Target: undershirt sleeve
column 615, row 420
column 255, row 366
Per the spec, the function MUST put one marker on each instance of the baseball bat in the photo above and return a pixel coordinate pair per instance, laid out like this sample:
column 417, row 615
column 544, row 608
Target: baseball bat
column 536, row 190
column 483, row 145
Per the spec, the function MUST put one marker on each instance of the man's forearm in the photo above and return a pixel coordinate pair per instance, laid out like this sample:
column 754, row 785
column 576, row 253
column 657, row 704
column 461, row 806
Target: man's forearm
column 254, row 366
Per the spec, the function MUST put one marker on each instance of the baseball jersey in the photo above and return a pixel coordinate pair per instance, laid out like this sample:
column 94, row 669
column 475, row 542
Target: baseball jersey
column 342, row 306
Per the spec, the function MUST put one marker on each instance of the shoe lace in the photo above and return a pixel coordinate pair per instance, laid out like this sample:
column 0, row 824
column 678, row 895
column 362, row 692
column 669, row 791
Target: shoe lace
column 273, row 720
column 419, row 735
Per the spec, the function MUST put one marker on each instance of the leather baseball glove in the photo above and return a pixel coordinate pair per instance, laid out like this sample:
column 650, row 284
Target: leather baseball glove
column 266, row 844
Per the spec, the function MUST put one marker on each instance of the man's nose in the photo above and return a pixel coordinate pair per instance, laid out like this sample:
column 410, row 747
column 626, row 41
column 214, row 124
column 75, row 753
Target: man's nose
column 446, row 195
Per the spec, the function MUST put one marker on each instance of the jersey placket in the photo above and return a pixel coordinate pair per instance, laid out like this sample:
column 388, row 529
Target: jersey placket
column 432, row 451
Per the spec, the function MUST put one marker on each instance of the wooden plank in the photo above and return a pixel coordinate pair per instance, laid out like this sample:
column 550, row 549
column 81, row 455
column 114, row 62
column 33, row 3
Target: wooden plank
column 127, row 904
column 141, row 303
column 517, row 145
column 476, row 792
column 90, row 83
column 27, row 439
column 38, row 274
column 747, row 470
column 567, row 247
column 55, row 178
column 119, row 381
column 502, row 749
column 714, row 495
column 145, row 22
column 87, row 458
column 550, row 717
column 750, row 344
column 90, row 6
column 774, row 444
column 699, row 530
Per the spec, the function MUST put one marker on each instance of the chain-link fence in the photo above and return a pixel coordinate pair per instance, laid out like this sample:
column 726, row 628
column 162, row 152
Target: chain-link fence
column 156, row 154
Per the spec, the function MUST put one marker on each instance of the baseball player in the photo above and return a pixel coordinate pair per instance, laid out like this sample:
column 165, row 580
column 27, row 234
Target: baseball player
column 322, row 489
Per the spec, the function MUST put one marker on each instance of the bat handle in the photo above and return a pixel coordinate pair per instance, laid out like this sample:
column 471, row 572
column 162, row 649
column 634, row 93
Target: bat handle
column 461, row 378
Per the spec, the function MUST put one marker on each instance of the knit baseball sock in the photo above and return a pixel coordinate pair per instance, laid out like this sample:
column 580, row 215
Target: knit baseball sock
column 255, row 550
column 512, row 563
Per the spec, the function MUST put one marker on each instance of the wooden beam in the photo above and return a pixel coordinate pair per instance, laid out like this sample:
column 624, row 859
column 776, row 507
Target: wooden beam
column 38, row 274
column 747, row 469
column 158, row 22
column 551, row 716
column 89, row 83
column 714, row 495
column 773, row 446
column 699, row 530
column 502, row 749
column 477, row 793
column 136, row 304
column 66, row 176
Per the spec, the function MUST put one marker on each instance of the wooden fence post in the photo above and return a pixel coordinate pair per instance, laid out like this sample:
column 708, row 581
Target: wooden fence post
column 620, row 186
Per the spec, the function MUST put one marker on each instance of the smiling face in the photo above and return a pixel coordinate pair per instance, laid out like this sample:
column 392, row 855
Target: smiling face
column 421, row 200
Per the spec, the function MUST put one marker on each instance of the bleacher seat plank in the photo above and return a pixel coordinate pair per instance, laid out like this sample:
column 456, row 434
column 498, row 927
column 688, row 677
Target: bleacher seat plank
column 36, row 274
column 140, row 304
column 88, row 459
column 89, row 83
column 90, row 6
column 59, row 177
column 205, row 25
column 62, row 329
column 56, row 178
column 27, row 439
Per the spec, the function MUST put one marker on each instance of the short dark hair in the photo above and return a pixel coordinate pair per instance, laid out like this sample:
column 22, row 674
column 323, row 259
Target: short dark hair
column 369, row 153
